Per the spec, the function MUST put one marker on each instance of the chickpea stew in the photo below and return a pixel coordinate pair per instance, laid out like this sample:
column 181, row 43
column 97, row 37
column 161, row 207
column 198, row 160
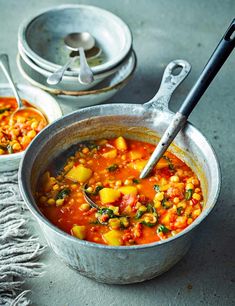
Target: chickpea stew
column 98, row 195
column 15, row 136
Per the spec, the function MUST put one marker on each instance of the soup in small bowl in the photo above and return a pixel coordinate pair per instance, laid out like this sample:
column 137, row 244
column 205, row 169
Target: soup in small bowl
column 15, row 136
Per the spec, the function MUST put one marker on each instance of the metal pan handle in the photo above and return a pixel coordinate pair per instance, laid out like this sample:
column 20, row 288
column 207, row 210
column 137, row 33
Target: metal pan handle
column 169, row 83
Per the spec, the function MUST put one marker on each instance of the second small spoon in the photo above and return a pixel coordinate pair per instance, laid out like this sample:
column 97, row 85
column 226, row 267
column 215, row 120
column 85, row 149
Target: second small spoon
column 80, row 42
column 57, row 76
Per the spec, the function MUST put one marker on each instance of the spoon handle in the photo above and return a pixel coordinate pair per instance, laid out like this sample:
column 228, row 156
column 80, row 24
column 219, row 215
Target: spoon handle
column 85, row 75
column 57, row 76
column 216, row 61
column 4, row 63
column 219, row 56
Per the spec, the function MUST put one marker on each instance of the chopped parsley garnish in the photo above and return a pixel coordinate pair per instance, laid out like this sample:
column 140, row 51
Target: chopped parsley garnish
column 135, row 181
column 170, row 164
column 162, row 229
column 3, row 110
column 112, row 168
column 179, row 210
column 188, row 194
column 63, row 193
column 156, row 188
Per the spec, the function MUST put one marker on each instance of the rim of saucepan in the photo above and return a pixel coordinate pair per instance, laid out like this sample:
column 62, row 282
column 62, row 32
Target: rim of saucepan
column 97, row 69
column 28, row 197
column 24, row 88
column 88, row 92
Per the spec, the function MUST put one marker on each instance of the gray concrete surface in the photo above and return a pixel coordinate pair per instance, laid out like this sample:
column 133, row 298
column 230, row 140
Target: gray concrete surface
column 162, row 30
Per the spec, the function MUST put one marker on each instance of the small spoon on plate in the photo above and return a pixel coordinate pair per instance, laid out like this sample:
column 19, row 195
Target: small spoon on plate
column 80, row 42
column 57, row 76
column 4, row 64
column 216, row 61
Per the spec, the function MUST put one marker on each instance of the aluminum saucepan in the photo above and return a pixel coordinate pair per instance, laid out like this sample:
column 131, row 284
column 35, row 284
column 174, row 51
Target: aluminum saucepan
column 147, row 122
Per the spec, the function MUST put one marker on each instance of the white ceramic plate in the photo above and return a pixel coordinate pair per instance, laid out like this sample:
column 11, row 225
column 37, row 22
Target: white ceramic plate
column 72, row 100
column 41, row 100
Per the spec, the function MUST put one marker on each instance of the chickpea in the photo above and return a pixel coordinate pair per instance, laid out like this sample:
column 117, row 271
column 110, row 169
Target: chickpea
column 42, row 199
column 51, row 201
column 89, row 189
column 118, row 183
column 174, row 179
column 56, row 187
column 128, row 182
column 31, row 134
column 176, row 200
column 74, row 186
column 196, row 196
column 59, row 202
column 189, row 186
column 21, row 119
column 85, row 207
column 159, row 196
column 157, row 204
column 25, row 140
column 34, row 125
column 85, row 150
column 195, row 181
column 16, row 147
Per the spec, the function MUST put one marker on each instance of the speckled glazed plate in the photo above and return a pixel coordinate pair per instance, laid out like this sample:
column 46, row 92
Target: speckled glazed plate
column 72, row 100
column 42, row 36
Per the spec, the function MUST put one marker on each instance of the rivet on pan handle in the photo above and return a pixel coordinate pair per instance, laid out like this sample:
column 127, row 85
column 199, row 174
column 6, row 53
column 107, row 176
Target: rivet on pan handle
column 169, row 83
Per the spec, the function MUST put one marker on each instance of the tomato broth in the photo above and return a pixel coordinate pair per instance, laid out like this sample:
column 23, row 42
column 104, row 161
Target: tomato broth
column 98, row 195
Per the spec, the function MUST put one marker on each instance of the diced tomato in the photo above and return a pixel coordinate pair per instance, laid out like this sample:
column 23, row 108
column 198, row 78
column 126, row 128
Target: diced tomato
column 194, row 201
column 173, row 192
column 127, row 236
column 128, row 199
column 166, row 173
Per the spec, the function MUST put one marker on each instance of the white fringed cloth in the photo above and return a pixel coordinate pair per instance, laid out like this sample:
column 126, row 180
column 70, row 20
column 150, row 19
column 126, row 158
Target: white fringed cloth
column 19, row 251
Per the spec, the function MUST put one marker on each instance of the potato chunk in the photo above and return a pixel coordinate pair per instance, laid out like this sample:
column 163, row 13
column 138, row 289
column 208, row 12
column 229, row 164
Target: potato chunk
column 79, row 174
column 128, row 190
column 113, row 237
column 138, row 164
column 121, row 144
column 163, row 163
column 79, row 231
column 110, row 154
column 109, row 195
column 135, row 155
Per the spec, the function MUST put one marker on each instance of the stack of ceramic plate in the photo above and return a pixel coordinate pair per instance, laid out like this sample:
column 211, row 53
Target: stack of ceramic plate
column 42, row 51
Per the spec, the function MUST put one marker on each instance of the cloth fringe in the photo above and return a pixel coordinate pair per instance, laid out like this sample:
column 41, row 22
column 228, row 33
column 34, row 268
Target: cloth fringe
column 18, row 250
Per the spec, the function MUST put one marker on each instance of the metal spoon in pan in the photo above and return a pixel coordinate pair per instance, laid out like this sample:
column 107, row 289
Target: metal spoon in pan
column 216, row 61
column 80, row 42
column 4, row 64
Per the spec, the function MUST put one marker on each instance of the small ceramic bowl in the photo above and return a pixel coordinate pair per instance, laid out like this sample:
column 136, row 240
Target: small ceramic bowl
column 42, row 36
column 41, row 100
column 72, row 100
column 68, row 83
